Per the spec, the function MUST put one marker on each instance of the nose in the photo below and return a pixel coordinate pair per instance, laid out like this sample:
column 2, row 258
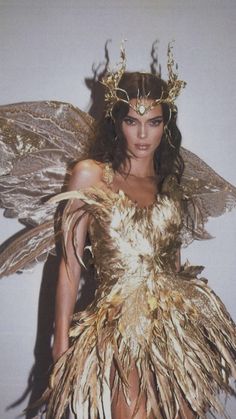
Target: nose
column 142, row 131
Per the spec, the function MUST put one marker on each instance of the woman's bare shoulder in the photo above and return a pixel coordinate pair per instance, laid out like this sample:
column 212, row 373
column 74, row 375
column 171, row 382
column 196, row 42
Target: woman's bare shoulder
column 86, row 173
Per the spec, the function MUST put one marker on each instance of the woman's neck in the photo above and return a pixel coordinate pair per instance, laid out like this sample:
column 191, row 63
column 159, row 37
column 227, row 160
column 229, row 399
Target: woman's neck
column 141, row 168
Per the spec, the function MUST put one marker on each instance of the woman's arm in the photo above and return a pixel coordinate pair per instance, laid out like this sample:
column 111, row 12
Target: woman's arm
column 178, row 260
column 85, row 174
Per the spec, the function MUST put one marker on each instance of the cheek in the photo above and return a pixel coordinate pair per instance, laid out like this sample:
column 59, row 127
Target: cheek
column 157, row 136
column 128, row 133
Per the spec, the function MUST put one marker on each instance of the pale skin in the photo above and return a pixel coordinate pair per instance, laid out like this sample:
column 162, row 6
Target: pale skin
column 143, row 134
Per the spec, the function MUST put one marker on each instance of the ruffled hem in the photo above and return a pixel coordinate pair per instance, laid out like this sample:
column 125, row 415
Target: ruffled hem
column 191, row 352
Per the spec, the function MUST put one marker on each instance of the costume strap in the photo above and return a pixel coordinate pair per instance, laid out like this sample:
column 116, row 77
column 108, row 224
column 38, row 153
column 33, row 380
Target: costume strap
column 108, row 174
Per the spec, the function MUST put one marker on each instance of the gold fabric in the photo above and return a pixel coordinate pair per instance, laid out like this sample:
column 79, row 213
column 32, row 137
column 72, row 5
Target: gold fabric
column 144, row 314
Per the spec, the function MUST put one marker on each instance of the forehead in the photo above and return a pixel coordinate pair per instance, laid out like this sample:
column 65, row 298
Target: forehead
column 149, row 114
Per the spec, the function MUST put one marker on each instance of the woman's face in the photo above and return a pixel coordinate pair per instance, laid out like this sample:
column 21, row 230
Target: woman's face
column 143, row 133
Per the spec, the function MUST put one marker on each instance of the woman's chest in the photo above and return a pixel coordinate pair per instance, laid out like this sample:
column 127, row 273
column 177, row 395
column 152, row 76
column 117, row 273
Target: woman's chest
column 141, row 191
column 126, row 223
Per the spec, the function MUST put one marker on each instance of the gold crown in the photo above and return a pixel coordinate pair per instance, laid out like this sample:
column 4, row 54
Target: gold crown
column 112, row 79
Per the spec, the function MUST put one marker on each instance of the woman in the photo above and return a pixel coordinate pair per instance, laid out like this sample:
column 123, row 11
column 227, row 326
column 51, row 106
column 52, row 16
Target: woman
column 155, row 342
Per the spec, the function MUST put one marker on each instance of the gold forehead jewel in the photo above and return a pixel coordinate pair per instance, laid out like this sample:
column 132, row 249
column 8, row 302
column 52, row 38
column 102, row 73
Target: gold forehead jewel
column 142, row 109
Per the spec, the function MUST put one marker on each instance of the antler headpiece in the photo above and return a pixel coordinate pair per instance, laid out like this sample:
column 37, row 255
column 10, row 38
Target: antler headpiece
column 112, row 79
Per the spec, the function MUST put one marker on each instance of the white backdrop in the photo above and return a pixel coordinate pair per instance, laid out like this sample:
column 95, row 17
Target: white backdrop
column 47, row 50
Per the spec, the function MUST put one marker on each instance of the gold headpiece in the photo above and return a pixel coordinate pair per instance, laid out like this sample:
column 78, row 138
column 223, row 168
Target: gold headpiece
column 112, row 79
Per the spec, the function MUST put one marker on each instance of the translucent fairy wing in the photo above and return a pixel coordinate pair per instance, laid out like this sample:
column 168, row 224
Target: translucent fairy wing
column 32, row 126
column 205, row 194
column 32, row 245
column 38, row 141
column 32, row 179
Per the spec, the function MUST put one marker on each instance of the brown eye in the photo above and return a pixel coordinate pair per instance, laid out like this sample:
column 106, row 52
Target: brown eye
column 155, row 122
column 129, row 121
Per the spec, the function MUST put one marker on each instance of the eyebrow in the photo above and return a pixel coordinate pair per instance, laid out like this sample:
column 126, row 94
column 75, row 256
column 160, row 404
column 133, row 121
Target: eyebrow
column 158, row 117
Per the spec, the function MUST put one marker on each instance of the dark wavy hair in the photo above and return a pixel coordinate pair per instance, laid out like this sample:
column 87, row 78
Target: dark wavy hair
column 110, row 144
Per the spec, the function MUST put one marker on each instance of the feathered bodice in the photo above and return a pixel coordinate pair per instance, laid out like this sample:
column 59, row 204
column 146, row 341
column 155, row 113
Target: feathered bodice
column 128, row 240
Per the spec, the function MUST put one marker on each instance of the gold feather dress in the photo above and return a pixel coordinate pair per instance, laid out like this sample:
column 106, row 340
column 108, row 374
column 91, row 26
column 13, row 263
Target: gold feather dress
column 144, row 314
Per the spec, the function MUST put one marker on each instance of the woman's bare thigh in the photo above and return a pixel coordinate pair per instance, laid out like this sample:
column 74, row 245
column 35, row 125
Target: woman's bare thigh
column 121, row 409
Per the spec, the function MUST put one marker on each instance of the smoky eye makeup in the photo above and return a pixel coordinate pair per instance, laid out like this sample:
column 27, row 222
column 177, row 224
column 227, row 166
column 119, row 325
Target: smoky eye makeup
column 129, row 121
column 156, row 121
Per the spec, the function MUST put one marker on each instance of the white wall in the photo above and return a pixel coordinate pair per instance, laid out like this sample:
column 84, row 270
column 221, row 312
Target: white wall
column 47, row 50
